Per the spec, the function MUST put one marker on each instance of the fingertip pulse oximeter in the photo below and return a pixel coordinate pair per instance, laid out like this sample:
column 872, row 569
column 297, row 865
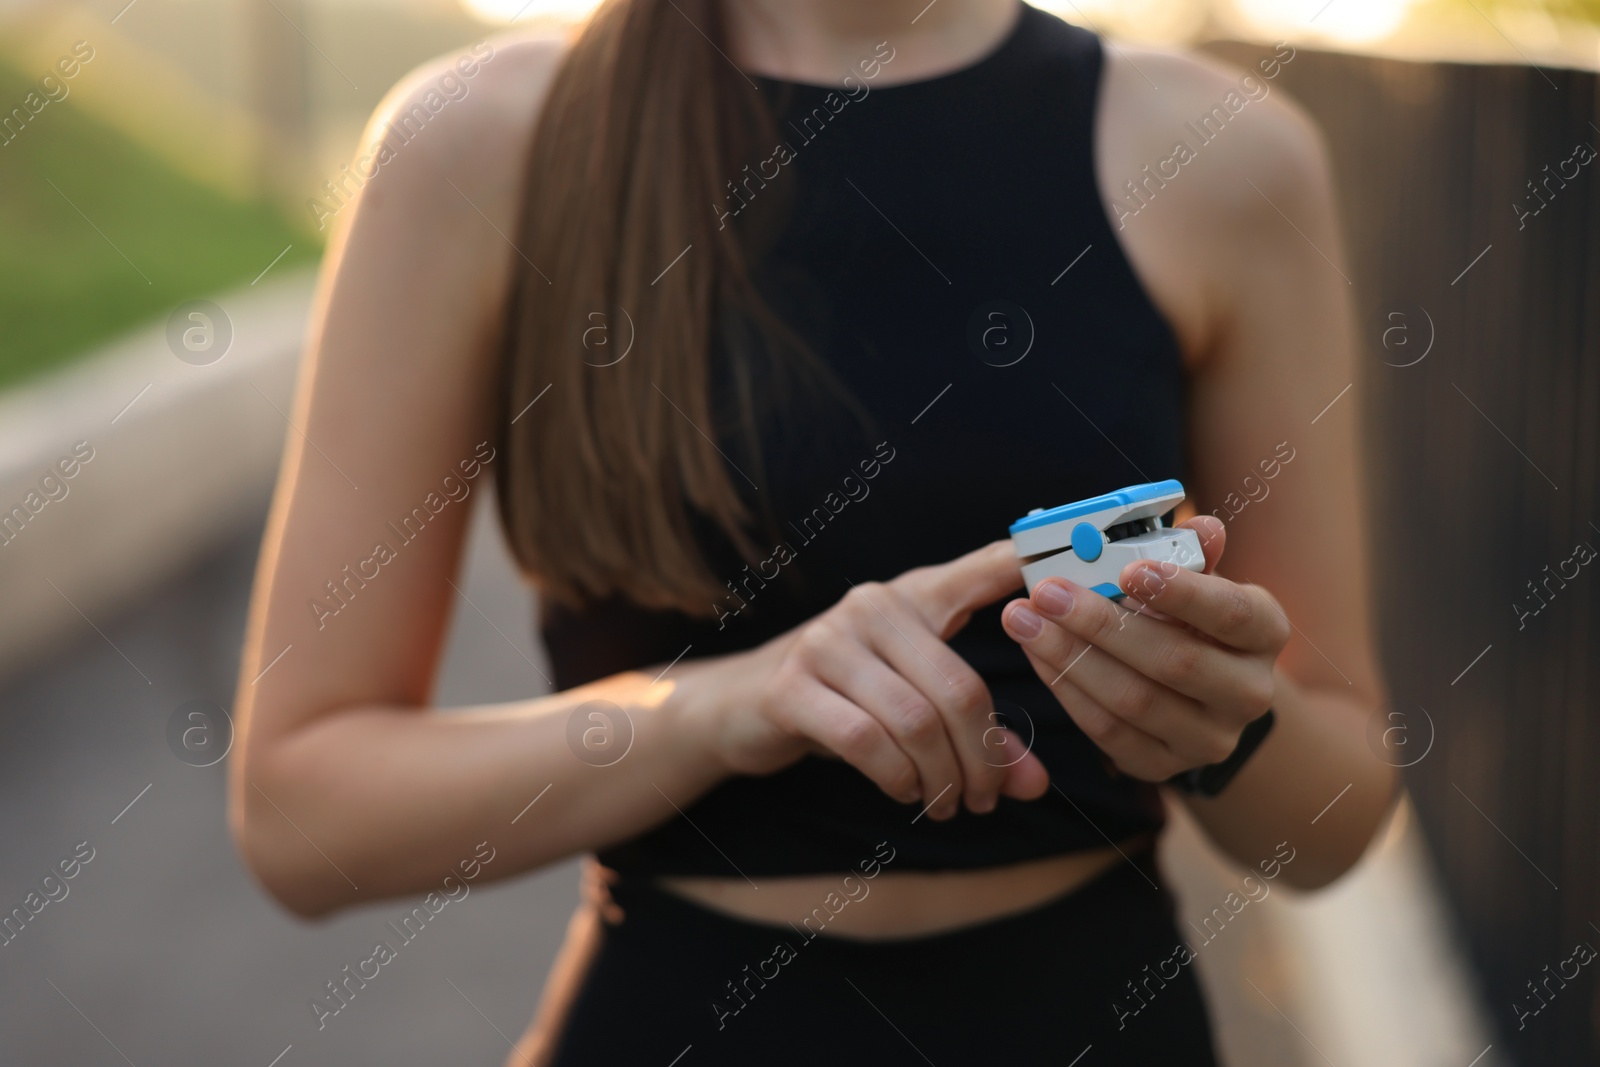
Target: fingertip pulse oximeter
column 1090, row 541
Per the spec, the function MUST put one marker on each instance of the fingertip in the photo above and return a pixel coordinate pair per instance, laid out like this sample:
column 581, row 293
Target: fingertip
column 1000, row 554
column 1021, row 622
column 1003, row 549
column 972, row 581
column 1145, row 579
column 1213, row 534
column 1026, row 779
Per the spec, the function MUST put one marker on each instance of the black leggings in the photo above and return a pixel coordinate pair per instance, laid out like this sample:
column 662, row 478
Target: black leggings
column 1074, row 977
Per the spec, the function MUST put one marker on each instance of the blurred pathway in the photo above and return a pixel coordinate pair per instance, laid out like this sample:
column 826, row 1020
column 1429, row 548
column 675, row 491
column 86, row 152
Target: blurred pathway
column 163, row 942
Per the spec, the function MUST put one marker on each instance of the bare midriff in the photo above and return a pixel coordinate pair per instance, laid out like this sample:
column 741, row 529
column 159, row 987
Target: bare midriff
column 900, row 904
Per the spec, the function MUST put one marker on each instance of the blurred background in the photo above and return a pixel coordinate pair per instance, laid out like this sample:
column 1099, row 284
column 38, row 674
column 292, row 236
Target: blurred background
column 158, row 240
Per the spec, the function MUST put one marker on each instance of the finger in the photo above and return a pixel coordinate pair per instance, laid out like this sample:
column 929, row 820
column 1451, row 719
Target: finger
column 907, row 717
column 1172, row 656
column 1177, row 721
column 1130, row 748
column 857, row 737
column 962, row 700
column 1213, row 539
column 1213, row 534
column 946, row 595
column 1022, row 773
column 1244, row 617
column 1026, row 779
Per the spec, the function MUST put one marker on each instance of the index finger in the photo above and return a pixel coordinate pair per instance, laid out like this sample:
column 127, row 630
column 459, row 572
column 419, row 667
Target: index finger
column 945, row 595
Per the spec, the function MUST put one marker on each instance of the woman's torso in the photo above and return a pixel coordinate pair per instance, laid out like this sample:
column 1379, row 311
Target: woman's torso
column 947, row 255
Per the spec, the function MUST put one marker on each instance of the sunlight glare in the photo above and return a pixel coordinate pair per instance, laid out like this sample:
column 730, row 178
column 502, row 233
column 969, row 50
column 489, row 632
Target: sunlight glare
column 503, row 12
column 1342, row 20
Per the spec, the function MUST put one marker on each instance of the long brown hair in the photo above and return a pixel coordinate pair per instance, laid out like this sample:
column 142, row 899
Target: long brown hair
column 626, row 268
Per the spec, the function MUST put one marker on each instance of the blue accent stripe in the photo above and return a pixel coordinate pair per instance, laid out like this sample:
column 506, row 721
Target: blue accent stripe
column 1108, row 590
column 1133, row 494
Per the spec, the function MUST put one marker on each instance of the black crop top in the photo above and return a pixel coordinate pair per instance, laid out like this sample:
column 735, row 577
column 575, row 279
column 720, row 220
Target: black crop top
column 946, row 254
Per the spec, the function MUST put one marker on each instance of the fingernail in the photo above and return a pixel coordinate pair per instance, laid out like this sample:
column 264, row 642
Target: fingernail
column 982, row 805
column 1053, row 598
column 1022, row 621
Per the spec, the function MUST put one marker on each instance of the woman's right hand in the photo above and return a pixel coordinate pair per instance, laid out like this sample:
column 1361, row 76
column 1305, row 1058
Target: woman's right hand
column 871, row 681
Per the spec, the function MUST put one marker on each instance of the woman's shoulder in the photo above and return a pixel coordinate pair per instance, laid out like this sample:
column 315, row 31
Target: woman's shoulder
column 467, row 116
column 424, row 249
column 1165, row 99
column 1185, row 107
column 1199, row 164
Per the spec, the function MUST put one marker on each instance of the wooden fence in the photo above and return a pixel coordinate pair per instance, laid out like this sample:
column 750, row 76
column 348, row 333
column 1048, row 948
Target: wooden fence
column 1482, row 461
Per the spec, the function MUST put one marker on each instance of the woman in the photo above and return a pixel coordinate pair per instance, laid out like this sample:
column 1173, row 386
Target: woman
column 767, row 319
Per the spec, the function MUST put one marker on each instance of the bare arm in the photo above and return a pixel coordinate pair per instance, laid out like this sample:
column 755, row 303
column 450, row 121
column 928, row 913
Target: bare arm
column 343, row 788
column 1241, row 250
column 1286, row 352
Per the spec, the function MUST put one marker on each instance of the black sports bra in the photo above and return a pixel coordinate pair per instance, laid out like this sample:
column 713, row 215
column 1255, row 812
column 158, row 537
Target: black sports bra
column 946, row 254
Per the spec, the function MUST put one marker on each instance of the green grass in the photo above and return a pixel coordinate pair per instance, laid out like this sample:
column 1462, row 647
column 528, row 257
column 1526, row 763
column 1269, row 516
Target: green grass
column 63, row 286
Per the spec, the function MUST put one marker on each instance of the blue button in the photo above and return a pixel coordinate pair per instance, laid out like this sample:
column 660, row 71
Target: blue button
column 1087, row 542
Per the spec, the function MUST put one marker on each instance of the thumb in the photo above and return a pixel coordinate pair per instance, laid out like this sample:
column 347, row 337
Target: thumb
column 946, row 594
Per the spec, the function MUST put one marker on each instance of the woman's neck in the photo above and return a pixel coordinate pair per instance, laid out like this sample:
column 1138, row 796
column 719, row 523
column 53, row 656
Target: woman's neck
column 820, row 41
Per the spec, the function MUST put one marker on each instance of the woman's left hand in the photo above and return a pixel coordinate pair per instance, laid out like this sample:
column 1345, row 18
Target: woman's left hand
column 1168, row 679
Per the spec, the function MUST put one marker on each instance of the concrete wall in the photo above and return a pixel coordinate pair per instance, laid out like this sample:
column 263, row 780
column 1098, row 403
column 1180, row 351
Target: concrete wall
column 182, row 455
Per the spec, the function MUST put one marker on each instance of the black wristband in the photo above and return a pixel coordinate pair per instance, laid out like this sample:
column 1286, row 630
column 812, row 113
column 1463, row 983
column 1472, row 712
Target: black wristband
column 1211, row 779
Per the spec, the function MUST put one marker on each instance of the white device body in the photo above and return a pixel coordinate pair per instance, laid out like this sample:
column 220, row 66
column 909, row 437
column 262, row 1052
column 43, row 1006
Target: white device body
column 1072, row 541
